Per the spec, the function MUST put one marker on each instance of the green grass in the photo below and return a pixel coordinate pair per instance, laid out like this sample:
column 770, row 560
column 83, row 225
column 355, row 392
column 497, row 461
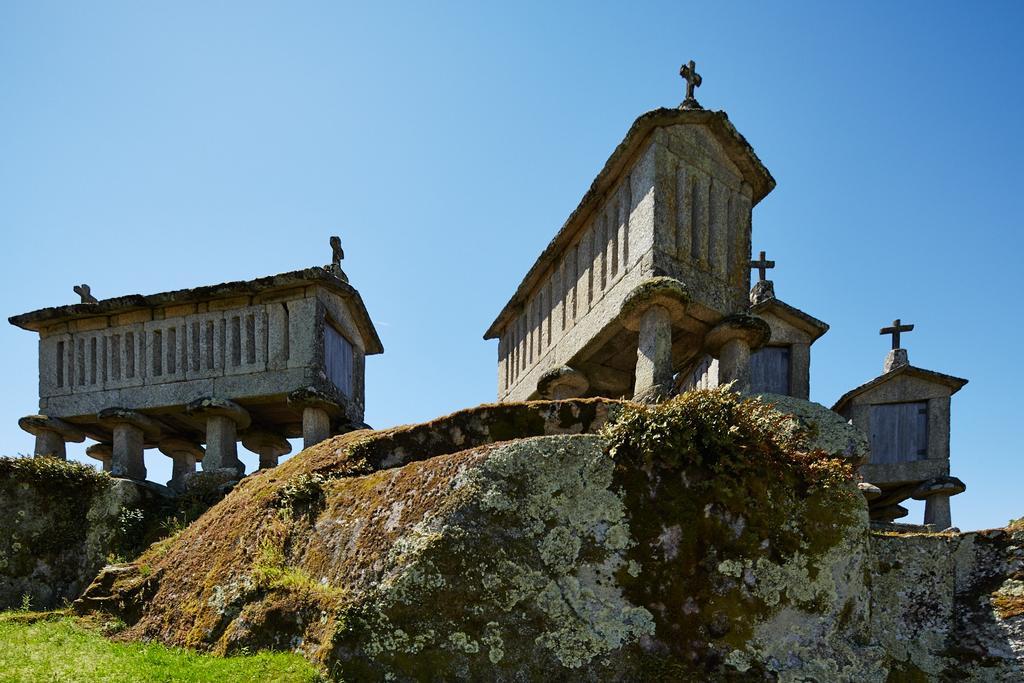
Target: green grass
column 57, row 647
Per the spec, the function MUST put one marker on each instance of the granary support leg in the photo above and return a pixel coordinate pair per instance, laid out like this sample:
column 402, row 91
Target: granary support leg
column 654, row 353
column 128, row 459
column 936, row 493
column 320, row 411
column 104, row 452
column 731, row 341
column 221, row 444
column 937, row 512
column 316, row 426
column 650, row 309
column 50, row 445
column 183, row 454
column 734, row 364
column 51, row 435
column 268, row 445
column 222, row 420
column 130, row 429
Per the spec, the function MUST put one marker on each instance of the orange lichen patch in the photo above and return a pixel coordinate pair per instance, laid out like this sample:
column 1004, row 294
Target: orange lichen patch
column 1008, row 606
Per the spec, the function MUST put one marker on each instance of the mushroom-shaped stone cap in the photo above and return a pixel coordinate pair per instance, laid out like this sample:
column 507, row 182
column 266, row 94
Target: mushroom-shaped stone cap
column 220, row 407
column 657, row 291
column 262, row 441
column 174, row 445
column 947, row 486
column 311, row 397
column 750, row 328
column 100, row 451
column 562, row 382
column 108, row 417
column 870, row 491
column 889, row 512
column 34, row 424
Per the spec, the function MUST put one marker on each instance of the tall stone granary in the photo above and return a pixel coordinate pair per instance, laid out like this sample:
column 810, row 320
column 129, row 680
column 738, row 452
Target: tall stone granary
column 651, row 272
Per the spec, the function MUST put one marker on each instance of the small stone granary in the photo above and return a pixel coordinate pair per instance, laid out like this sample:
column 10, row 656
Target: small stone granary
column 258, row 361
column 905, row 411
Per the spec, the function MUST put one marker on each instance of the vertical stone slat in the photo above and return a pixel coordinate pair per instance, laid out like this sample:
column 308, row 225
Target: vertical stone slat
column 684, row 212
column 699, row 247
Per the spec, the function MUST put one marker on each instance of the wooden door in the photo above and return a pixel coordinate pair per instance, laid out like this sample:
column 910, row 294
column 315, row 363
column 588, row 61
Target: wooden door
column 899, row 432
column 769, row 370
column 338, row 359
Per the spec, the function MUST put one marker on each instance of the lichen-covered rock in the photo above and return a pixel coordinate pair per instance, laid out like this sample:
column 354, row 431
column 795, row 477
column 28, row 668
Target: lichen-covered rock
column 826, row 429
column 62, row 521
column 703, row 538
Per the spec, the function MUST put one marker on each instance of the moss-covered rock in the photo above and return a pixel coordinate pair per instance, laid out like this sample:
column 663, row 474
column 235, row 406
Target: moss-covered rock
column 709, row 537
column 63, row 521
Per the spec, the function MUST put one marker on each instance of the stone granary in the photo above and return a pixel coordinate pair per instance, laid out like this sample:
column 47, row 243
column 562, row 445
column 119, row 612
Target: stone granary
column 258, row 361
column 649, row 274
column 905, row 412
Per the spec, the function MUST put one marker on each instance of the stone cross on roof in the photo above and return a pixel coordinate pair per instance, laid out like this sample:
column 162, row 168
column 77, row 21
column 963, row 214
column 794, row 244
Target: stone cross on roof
column 85, row 293
column 895, row 331
column 693, row 80
column 762, row 265
column 337, row 254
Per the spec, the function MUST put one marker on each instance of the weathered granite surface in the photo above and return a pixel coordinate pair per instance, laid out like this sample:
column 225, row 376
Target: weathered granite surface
column 695, row 539
column 62, row 522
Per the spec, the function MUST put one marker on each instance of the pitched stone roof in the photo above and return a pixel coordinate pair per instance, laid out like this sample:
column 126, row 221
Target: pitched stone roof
column 954, row 383
column 793, row 315
column 36, row 320
column 717, row 122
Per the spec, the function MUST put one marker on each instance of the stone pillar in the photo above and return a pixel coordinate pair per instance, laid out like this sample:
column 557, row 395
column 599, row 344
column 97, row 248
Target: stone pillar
column 130, row 429
column 183, row 454
column 936, row 493
column 731, row 341
column 268, row 445
column 654, row 353
column 128, row 452
column 562, row 383
column 51, row 434
column 104, row 452
column 316, row 425
column 221, row 421
column 651, row 309
column 937, row 512
column 319, row 411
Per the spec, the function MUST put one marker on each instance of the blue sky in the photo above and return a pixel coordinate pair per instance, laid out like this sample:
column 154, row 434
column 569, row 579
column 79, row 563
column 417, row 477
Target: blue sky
column 153, row 146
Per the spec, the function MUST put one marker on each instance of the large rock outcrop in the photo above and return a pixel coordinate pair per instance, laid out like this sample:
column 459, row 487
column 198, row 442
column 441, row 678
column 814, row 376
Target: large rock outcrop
column 567, row 540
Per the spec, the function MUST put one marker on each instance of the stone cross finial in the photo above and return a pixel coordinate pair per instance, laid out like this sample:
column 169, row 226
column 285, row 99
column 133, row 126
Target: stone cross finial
column 85, row 293
column 762, row 265
column 895, row 331
column 693, row 80
column 337, row 254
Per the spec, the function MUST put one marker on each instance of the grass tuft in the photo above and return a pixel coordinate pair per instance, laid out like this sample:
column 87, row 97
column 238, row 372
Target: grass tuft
column 54, row 646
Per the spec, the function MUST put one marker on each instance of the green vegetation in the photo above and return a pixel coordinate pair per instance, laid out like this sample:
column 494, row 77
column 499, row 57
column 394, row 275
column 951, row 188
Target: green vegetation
column 271, row 572
column 64, row 472
column 56, row 647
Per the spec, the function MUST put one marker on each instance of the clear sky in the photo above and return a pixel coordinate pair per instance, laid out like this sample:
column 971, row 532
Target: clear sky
column 152, row 146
